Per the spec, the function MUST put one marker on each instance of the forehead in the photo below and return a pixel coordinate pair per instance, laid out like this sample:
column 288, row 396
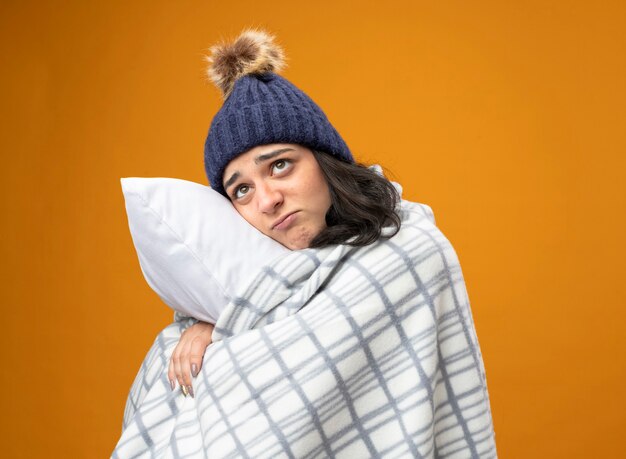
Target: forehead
column 256, row 157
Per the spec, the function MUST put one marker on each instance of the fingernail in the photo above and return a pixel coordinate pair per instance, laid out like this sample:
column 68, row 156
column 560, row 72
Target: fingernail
column 190, row 389
column 184, row 389
column 173, row 384
column 194, row 370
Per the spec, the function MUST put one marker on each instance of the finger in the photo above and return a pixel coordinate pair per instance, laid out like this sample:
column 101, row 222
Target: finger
column 196, row 353
column 186, row 376
column 171, row 371
column 178, row 359
column 171, row 376
column 185, row 366
column 177, row 366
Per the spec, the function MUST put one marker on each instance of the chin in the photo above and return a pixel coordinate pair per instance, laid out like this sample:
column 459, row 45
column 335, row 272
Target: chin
column 301, row 241
column 295, row 245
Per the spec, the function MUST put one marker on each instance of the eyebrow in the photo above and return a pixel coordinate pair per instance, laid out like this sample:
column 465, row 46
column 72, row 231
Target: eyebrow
column 230, row 181
column 257, row 160
column 267, row 156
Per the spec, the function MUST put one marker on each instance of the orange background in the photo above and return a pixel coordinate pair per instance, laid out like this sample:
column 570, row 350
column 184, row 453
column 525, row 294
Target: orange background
column 507, row 118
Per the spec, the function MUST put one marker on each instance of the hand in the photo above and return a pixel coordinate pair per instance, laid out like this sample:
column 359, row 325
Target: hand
column 186, row 359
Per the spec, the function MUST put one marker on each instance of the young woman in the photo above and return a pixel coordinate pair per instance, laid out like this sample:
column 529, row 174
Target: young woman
column 299, row 196
column 358, row 343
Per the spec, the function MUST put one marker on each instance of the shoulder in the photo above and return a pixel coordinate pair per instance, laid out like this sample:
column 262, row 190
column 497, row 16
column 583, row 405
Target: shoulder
column 415, row 212
column 421, row 237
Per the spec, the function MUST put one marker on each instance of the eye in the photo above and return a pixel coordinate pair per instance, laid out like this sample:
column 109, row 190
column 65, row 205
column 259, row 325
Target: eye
column 240, row 191
column 281, row 165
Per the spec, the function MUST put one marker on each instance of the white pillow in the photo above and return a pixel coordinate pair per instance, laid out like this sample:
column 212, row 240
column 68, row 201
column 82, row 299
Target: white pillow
column 194, row 248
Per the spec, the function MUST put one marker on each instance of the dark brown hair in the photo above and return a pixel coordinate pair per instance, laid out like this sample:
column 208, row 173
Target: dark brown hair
column 362, row 203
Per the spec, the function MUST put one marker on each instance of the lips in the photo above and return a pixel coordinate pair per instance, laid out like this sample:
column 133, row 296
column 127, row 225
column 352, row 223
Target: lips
column 283, row 222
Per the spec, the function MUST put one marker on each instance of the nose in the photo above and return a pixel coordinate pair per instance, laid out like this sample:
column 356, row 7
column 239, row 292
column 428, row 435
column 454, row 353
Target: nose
column 269, row 197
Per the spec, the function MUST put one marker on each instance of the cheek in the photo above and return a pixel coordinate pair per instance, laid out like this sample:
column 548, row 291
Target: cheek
column 316, row 190
column 322, row 196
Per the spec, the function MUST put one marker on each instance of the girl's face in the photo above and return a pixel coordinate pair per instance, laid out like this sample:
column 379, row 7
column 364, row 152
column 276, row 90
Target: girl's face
column 280, row 190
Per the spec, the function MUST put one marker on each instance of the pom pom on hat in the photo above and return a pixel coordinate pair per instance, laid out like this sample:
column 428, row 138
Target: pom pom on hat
column 253, row 52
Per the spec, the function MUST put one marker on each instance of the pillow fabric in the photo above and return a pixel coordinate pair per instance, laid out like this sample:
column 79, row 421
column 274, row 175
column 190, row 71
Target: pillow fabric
column 194, row 248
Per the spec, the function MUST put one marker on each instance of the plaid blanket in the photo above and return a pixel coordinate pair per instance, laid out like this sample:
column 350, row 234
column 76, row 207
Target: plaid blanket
column 334, row 352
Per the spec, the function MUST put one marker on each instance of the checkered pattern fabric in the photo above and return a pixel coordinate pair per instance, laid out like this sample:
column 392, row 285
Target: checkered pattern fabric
column 335, row 352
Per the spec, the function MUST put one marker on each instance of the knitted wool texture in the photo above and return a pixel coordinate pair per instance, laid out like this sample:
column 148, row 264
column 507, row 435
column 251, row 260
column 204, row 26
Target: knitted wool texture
column 262, row 109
